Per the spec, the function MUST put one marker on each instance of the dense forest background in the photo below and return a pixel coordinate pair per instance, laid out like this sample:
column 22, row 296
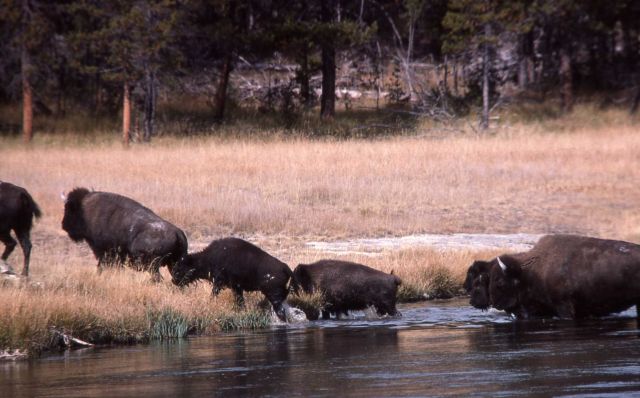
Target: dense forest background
column 440, row 59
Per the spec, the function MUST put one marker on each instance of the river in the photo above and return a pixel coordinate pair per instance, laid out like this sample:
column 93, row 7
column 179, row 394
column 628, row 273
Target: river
column 438, row 348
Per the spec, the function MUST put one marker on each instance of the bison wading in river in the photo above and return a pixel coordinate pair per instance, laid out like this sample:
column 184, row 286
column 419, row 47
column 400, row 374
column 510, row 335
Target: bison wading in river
column 17, row 209
column 566, row 276
column 119, row 229
column 240, row 266
column 348, row 286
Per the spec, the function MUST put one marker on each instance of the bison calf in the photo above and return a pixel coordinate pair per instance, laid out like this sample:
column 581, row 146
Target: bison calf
column 17, row 209
column 118, row 229
column 348, row 286
column 238, row 265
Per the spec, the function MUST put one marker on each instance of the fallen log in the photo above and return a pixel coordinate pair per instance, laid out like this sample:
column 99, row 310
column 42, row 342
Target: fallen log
column 65, row 341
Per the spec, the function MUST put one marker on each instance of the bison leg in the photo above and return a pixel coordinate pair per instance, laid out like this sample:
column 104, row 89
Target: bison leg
column 217, row 287
column 9, row 243
column 326, row 314
column 25, row 243
column 386, row 308
column 239, row 297
column 100, row 264
column 276, row 299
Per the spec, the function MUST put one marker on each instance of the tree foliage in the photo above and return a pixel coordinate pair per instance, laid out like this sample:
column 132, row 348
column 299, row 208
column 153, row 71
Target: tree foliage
column 80, row 53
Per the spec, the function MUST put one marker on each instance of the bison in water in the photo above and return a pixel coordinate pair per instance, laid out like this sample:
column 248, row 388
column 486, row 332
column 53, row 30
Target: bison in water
column 562, row 275
column 238, row 265
column 17, row 209
column 119, row 229
column 348, row 286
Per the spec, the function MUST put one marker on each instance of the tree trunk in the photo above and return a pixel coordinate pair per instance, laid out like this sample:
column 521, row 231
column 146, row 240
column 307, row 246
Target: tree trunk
column 636, row 100
column 484, row 123
column 328, row 99
column 378, row 71
column 126, row 114
column 523, row 72
column 27, row 97
column 566, row 80
column 149, row 105
column 446, row 74
column 97, row 105
column 455, row 76
column 223, row 85
column 303, row 76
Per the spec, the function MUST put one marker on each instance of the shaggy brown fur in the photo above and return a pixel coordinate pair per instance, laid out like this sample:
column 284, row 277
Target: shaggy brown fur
column 17, row 209
column 238, row 265
column 562, row 275
column 119, row 229
column 348, row 286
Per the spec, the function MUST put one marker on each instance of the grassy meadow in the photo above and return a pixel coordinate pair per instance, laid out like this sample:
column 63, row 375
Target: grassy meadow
column 575, row 174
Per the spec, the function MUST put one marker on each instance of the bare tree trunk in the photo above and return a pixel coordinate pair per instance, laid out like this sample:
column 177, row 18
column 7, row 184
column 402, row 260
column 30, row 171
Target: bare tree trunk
column 27, row 97
column 328, row 98
column 223, row 85
column 523, row 61
column 126, row 114
column 446, row 74
column 455, row 76
column 484, row 123
column 305, row 88
column 378, row 74
column 566, row 80
column 407, row 61
column 60, row 100
column 636, row 100
column 149, row 105
column 97, row 106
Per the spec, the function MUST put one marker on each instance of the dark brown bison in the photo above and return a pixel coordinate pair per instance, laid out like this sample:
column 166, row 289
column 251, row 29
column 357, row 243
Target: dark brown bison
column 119, row 229
column 348, row 286
column 240, row 266
column 562, row 275
column 17, row 209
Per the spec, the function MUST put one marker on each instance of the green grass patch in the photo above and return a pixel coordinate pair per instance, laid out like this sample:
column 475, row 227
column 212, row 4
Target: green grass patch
column 248, row 319
column 167, row 323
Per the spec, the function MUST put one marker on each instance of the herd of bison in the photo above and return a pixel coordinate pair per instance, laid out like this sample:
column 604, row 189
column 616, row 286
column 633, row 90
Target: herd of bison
column 565, row 276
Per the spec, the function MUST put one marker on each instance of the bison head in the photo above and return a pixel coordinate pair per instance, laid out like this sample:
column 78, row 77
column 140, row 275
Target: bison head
column 504, row 283
column 184, row 272
column 477, row 284
column 73, row 221
column 303, row 279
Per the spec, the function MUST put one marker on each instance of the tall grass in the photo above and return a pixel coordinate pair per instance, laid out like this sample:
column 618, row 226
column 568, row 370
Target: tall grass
column 281, row 193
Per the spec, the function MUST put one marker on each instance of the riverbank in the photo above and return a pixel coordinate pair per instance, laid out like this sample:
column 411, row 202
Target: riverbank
column 123, row 306
column 284, row 193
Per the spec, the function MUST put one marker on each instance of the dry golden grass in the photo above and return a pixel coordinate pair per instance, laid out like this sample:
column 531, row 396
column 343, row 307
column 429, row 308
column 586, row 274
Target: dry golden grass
column 517, row 181
column 118, row 306
column 581, row 177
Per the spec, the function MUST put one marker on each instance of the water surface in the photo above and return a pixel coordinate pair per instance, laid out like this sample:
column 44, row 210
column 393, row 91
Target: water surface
column 436, row 349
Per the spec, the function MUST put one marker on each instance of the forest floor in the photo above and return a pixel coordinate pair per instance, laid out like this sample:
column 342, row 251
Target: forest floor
column 304, row 199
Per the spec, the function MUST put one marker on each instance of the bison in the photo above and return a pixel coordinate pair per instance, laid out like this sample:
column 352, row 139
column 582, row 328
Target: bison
column 565, row 276
column 119, row 229
column 17, row 209
column 348, row 286
column 240, row 266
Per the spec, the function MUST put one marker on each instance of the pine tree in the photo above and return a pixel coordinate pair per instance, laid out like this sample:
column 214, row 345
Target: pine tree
column 474, row 26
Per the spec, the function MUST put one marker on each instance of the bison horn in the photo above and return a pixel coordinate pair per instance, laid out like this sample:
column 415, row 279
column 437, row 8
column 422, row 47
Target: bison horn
column 63, row 196
column 502, row 266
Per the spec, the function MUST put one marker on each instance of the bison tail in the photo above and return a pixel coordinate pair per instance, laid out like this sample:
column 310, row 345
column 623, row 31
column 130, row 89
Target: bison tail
column 31, row 205
column 396, row 279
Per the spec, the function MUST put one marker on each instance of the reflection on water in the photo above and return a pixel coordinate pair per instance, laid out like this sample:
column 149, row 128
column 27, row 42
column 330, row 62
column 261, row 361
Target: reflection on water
column 435, row 349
